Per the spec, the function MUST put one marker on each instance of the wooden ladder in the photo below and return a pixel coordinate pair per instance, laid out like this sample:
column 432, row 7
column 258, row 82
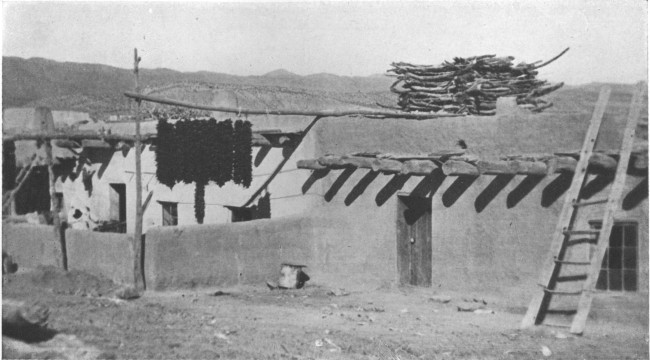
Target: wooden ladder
column 564, row 232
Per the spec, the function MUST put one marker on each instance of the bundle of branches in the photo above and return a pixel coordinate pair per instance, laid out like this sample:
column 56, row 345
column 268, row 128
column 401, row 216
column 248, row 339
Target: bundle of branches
column 199, row 151
column 470, row 85
column 175, row 112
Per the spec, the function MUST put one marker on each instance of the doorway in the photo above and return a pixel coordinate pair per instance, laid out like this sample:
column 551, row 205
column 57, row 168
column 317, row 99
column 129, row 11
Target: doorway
column 117, row 212
column 414, row 240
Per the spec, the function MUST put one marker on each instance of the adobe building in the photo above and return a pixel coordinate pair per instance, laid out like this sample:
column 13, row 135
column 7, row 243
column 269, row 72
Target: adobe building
column 357, row 227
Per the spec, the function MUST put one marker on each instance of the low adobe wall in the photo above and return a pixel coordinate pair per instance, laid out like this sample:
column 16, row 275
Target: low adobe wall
column 226, row 254
column 105, row 254
column 29, row 245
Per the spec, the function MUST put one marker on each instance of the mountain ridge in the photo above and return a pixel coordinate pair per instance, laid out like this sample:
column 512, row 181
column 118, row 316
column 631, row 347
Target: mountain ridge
column 98, row 88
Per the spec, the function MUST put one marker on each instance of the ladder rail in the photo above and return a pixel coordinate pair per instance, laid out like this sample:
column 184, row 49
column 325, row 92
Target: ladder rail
column 613, row 204
column 566, row 215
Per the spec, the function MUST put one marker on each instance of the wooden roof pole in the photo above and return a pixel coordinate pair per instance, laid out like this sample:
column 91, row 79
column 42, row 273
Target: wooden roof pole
column 318, row 113
column 138, row 271
column 259, row 137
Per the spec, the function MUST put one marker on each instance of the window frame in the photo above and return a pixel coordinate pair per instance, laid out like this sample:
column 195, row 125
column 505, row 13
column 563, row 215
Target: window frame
column 173, row 212
column 623, row 224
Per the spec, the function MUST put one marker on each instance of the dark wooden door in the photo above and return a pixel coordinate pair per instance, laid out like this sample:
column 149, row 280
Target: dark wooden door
column 414, row 240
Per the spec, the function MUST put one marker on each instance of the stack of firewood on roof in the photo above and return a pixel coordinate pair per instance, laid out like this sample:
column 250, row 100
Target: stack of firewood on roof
column 470, row 85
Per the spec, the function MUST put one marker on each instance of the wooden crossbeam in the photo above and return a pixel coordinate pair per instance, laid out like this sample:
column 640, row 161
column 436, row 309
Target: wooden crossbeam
column 259, row 138
column 317, row 113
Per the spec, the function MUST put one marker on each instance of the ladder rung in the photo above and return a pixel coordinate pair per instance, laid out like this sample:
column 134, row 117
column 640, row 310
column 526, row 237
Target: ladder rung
column 556, row 324
column 581, row 232
column 589, row 202
column 565, row 262
column 561, row 292
column 585, row 240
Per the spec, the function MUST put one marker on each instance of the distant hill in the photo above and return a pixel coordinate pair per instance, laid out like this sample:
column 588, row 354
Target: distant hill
column 99, row 88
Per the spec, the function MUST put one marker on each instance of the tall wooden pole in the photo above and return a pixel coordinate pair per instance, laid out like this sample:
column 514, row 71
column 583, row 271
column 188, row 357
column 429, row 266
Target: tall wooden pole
column 44, row 116
column 138, row 276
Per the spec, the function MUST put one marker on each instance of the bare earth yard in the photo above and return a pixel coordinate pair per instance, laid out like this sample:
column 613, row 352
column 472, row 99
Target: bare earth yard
column 312, row 323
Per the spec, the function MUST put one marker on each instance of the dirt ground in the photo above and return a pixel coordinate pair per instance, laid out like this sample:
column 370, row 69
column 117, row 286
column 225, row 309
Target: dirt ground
column 316, row 322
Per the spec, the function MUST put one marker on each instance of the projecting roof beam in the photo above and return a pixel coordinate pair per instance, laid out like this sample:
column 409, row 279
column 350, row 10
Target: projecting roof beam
column 460, row 165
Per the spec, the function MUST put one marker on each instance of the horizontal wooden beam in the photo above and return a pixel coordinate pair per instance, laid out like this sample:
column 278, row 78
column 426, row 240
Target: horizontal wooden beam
column 358, row 161
column 458, row 167
column 421, row 165
column 75, row 136
column 437, row 155
column 387, row 165
column 418, row 167
column 332, row 162
column 262, row 138
column 310, row 164
column 315, row 113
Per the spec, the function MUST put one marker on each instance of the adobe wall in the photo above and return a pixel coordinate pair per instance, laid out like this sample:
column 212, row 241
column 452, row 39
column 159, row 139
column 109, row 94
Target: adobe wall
column 29, row 245
column 490, row 233
column 286, row 197
column 106, row 254
column 228, row 254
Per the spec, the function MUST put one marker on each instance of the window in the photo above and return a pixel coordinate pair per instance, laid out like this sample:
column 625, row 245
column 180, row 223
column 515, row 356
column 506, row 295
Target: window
column 242, row 214
column 169, row 213
column 260, row 211
column 619, row 269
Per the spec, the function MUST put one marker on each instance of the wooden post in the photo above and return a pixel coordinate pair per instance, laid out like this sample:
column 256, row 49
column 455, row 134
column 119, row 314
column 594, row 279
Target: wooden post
column 138, row 276
column 44, row 115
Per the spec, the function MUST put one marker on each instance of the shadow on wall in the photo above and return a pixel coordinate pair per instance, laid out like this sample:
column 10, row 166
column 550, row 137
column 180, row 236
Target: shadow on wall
column 491, row 191
column 524, row 188
column 556, row 188
column 338, row 183
column 261, row 154
column 311, row 180
column 430, row 184
column 638, row 194
column 457, row 189
column 595, row 186
column 100, row 156
column 391, row 187
column 415, row 208
column 360, row 187
column 65, row 169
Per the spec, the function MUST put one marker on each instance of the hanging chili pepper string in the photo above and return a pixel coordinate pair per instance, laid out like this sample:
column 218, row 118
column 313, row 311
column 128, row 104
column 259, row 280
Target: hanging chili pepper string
column 242, row 153
column 224, row 146
column 199, row 202
column 200, row 151
column 165, row 150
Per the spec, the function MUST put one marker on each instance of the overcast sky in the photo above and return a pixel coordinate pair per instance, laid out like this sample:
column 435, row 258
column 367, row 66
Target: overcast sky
column 608, row 40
